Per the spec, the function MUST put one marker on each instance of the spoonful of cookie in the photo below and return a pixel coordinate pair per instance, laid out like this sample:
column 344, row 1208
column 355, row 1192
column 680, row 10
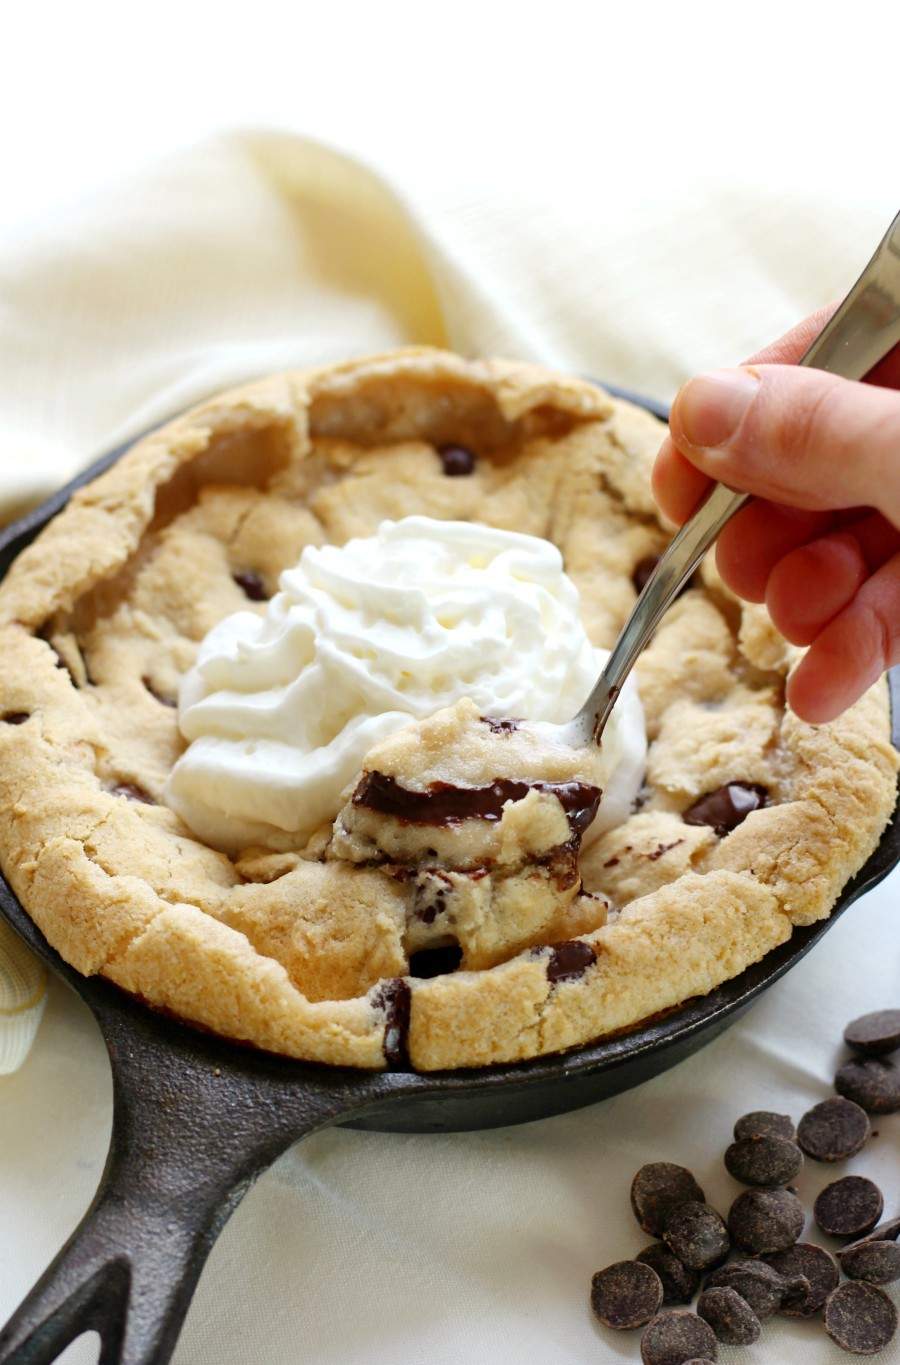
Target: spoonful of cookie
column 864, row 329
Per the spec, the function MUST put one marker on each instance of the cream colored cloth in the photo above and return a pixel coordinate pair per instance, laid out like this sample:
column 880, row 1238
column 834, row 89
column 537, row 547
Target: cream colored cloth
column 258, row 251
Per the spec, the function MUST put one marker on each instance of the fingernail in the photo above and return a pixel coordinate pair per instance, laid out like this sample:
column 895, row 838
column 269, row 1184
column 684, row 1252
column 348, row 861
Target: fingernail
column 708, row 410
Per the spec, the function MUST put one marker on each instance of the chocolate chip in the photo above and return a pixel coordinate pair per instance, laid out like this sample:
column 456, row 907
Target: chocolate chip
column 887, row 1231
column 761, row 1286
column 569, row 960
column 860, row 1318
column 15, row 717
column 456, row 460
column 429, row 962
column 503, row 726
column 251, row 583
column 133, row 792
column 642, row 571
column 874, row 1034
column 765, row 1220
column 697, row 1235
column 679, row 1282
column 763, row 1123
column 731, row 1317
column 658, row 1189
column 699, row 1360
column 625, row 1295
column 394, row 997
column 809, row 1263
column 726, row 807
column 874, row 1262
column 871, row 1082
column 768, row 1161
column 833, row 1130
column 675, row 1337
column 157, row 695
column 849, row 1207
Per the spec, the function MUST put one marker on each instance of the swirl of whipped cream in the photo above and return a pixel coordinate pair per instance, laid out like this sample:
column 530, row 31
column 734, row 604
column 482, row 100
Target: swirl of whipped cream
column 281, row 708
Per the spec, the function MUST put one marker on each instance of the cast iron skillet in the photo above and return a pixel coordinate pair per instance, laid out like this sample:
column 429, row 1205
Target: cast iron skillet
column 197, row 1119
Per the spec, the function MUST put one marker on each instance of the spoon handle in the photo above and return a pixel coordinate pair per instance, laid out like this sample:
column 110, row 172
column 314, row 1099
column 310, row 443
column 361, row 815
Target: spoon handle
column 863, row 330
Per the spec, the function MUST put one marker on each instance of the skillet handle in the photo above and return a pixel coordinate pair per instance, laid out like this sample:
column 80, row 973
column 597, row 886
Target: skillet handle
column 193, row 1127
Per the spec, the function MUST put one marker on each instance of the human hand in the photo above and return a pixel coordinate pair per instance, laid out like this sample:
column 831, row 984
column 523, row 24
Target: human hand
column 820, row 542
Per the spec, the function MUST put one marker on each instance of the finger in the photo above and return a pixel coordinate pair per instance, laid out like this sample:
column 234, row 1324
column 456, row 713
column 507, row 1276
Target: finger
column 812, row 584
column 852, row 651
column 757, row 538
column 788, row 349
column 792, row 435
column 677, row 485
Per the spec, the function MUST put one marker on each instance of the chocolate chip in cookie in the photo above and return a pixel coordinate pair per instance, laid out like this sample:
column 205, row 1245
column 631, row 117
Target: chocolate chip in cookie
column 250, row 582
column 569, row 960
column 726, row 807
column 394, row 997
column 15, row 717
column 457, row 461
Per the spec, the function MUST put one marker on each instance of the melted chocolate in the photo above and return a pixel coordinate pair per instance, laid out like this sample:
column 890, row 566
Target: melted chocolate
column 500, row 727
column 444, row 804
column 252, row 585
column 395, row 998
column 457, row 460
column 133, row 792
column 15, row 717
column 569, row 960
column 429, row 962
column 726, row 807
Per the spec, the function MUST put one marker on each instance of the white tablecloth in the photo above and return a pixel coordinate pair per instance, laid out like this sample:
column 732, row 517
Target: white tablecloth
column 632, row 197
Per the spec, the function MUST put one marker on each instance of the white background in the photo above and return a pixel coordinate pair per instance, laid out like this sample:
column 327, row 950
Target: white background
column 358, row 1248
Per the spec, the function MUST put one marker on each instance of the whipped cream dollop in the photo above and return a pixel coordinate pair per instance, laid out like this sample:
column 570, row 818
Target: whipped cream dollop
column 281, row 708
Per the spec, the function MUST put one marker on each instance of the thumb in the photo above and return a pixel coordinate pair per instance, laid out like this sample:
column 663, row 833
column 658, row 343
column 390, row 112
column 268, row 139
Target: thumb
column 794, row 435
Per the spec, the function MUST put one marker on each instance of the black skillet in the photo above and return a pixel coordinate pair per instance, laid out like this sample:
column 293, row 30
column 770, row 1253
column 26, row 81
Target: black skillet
column 197, row 1119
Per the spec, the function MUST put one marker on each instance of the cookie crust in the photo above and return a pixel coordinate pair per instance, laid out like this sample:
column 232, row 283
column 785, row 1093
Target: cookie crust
column 102, row 614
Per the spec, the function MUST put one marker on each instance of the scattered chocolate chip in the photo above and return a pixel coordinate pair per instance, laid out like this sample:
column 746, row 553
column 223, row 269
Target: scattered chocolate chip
column 697, row 1235
column 627, row 1294
column 763, row 1123
column 765, row 1220
column 568, row 961
column 874, row 1262
column 251, row 584
column 699, row 1360
column 429, row 962
column 505, row 726
column 731, row 1317
column 726, row 807
column 133, row 792
column 456, row 460
column 871, row 1082
column 849, row 1207
column 811, row 1264
column 395, row 998
column 860, row 1318
column 680, row 1283
column 657, row 1190
column 15, row 717
column 761, row 1286
column 874, row 1034
column 887, row 1231
column 157, row 695
column 833, row 1130
column 675, row 1336
column 768, row 1161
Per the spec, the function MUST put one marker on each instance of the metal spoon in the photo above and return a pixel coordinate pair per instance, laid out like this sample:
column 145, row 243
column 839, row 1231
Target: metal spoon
column 863, row 330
